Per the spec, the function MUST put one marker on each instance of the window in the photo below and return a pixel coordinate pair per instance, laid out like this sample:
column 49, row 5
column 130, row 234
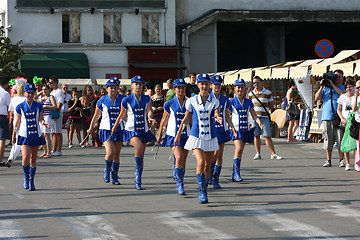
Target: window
column 150, row 28
column 71, row 28
column 2, row 19
column 112, row 28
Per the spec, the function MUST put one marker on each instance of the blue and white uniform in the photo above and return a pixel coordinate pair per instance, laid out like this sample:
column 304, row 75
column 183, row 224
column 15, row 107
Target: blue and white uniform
column 110, row 112
column 177, row 114
column 203, row 131
column 240, row 118
column 137, row 119
column 29, row 130
column 223, row 133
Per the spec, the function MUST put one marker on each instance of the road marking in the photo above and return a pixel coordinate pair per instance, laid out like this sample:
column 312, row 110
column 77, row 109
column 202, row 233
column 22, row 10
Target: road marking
column 2, row 188
column 39, row 206
column 10, row 230
column 281, row 224
column 93, row 228
column 20, row 196
column 191, row 226
column 341, row 211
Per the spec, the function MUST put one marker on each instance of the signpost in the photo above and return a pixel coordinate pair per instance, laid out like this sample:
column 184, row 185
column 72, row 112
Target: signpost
column 324, row 48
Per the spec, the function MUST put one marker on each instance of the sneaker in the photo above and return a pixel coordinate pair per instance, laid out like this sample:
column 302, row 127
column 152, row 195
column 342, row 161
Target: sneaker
column 327, row 164
column 342, row 163
column 57, row 153
column 277, row 157
column 257, row 156
column 70, row 145
column 82, row 146
column 347, row 168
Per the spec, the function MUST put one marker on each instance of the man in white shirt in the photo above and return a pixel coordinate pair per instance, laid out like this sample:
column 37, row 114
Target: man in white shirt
column 4, row 120
column 57, row 126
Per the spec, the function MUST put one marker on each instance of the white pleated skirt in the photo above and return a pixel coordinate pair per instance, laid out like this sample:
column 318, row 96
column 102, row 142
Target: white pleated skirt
column 205, row 145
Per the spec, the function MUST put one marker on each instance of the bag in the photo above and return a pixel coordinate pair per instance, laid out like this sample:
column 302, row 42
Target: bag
column 292, row 108
column 348, row 143
column 279, row 117
column 354, row 129
column 284, row 103
column 336, row 121
column 55, row 114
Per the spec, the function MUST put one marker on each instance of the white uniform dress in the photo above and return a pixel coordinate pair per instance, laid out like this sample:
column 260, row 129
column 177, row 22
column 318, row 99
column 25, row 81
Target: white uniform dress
column 203, row 132
column 110, row 112
column 177, row 114
column 29, row 130
column 137, row 119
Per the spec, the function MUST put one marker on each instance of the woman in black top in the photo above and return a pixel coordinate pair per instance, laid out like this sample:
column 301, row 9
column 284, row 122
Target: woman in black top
column 158, row 101
column 74, row 120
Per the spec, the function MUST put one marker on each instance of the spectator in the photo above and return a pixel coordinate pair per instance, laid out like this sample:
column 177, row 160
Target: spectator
column 148, row 91
column 343, row 110
column 191, row 88
column 102, row 92
column 57, row 126
column 158, row 101
column 170, row 92
column 331, row 134
column 86, row 115
column 74, row 117
column 65, row 108
column 262, row 108
column 48, row 102
column 4, row 122
column 292, row 95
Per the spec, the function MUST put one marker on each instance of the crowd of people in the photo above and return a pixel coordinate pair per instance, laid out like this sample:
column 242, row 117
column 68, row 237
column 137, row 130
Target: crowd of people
column 196, row 116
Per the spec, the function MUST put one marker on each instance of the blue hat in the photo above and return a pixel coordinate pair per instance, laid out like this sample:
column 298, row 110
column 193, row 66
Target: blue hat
column 216, row 79
column 116, row 80
column 29, row 88
column 138, row 79
column 112, row 82
column 203, row 77
column 179, row 83
column 240, row 82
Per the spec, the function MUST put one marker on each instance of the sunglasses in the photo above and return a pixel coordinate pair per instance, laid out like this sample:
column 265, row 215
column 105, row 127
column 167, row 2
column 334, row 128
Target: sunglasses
column 357, row 87
column 50, row 82
column 65, row 88
column 256, row 82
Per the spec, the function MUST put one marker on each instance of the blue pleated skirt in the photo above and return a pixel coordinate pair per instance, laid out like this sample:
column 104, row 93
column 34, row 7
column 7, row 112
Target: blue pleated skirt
column 223, row 137
column 245, row 136
column 35, row 142
column 144, row 137
column 105, row 134
column 169, row 141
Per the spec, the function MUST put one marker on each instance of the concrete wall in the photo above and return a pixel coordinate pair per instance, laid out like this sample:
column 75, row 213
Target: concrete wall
column 42, row 33
column 202, row 53
column 188, row 10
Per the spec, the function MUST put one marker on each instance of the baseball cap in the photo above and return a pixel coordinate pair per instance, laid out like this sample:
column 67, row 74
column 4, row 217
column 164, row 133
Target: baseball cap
column 203, row 77
column 138, row 79
column 240, row 82
column 216, row 79
column 29, row 88
column 179, row 83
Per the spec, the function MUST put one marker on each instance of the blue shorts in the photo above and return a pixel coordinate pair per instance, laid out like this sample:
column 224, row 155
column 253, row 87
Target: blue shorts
column 266, row 131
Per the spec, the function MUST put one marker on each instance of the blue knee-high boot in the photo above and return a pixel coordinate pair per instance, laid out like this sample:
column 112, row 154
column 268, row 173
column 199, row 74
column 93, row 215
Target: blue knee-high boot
column 236, row 170
column 174, row 172
column 202, row 192
column 180, row 181
column 114, row 173
column 26, row 170
column 138, row 171
column 217, row 170
column 31, row 178
column 107, row 170
column 211, row 173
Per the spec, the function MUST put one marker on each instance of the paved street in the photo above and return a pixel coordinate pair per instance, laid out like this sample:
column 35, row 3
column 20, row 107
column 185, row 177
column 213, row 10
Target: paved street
column 294, row 198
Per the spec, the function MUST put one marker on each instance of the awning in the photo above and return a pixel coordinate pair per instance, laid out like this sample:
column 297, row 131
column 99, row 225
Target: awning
column 157, row 65
column 298, row 72
column 62, row 65
column 309, row 62
column 246, row 74
column 75, row 82
column 280, row 73
column 319, row 69
column 123, row 82
column 343, row 56
column 347, row 68
column 263, row 73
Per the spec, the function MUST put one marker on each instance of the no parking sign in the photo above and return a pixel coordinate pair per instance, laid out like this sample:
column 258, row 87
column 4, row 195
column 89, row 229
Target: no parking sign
column 324, row 48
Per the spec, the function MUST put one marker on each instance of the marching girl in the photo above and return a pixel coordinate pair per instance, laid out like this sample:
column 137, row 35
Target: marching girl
column 28, row 115
column 108, row 107
column 173, row 115
column 223, row 134
column 138, row 109
column 202, row 140
column 241, row 107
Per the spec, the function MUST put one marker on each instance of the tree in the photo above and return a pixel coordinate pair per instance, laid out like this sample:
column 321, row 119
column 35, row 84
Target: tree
column 9, row 56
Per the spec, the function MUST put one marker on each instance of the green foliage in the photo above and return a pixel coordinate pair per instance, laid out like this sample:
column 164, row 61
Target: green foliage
column 9, row 56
